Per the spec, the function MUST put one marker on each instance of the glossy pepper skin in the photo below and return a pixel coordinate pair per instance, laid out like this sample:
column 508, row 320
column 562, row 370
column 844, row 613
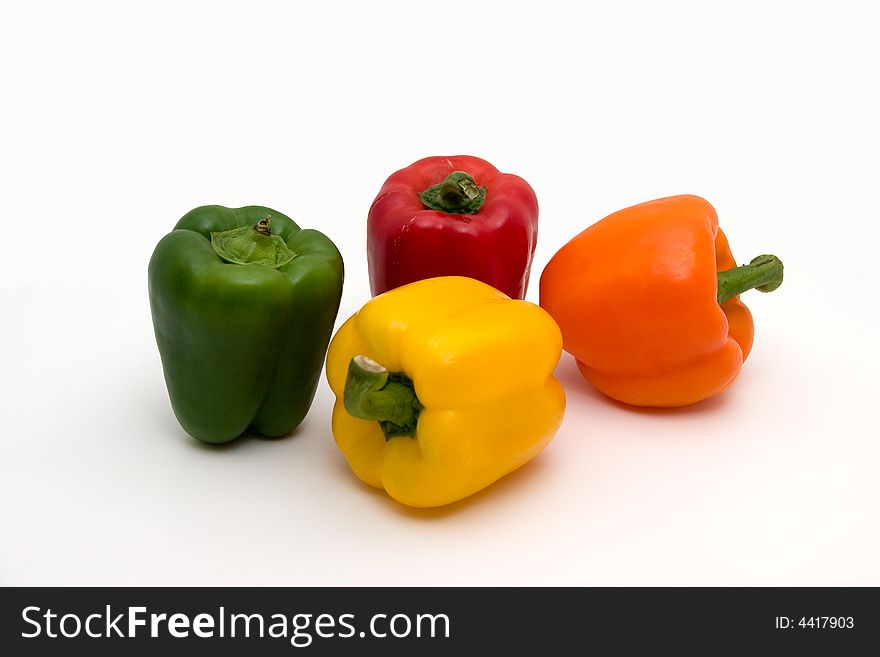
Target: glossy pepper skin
column 636, row 296
column 430, row 220
column 475, row 395
column 242, row 343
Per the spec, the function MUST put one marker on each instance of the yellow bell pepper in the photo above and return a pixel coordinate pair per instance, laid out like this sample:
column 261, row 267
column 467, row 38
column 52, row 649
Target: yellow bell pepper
column 442, row 387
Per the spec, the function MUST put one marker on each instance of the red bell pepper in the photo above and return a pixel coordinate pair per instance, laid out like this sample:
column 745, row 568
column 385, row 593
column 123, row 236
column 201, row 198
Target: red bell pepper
column 452, row 216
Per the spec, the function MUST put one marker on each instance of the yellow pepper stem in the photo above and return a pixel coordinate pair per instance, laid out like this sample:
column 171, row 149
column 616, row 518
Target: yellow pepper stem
column 374, row 393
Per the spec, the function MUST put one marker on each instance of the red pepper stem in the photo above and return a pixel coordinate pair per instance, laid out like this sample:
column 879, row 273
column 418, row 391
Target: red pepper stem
column 374, row 393
column 763, row 273
column 458, row 193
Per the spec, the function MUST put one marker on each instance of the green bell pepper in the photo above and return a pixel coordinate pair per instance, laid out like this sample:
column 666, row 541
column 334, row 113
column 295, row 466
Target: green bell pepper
column 243, row 304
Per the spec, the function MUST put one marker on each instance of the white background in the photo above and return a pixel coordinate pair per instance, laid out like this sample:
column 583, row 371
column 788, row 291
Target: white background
column 118, row 119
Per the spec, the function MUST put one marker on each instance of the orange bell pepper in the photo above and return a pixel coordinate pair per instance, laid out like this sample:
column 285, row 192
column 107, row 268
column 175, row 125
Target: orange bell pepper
column 648, row 302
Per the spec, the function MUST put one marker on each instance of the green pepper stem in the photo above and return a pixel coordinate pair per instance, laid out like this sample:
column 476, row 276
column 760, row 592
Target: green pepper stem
column 374, row 393
column 264, row 226
column 252, row 245
column 458, row 193
column 763, row 273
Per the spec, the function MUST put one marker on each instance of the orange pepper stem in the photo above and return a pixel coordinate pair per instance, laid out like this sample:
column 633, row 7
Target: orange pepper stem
column 458, row 193
column 763, row 273
column 373, row 393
